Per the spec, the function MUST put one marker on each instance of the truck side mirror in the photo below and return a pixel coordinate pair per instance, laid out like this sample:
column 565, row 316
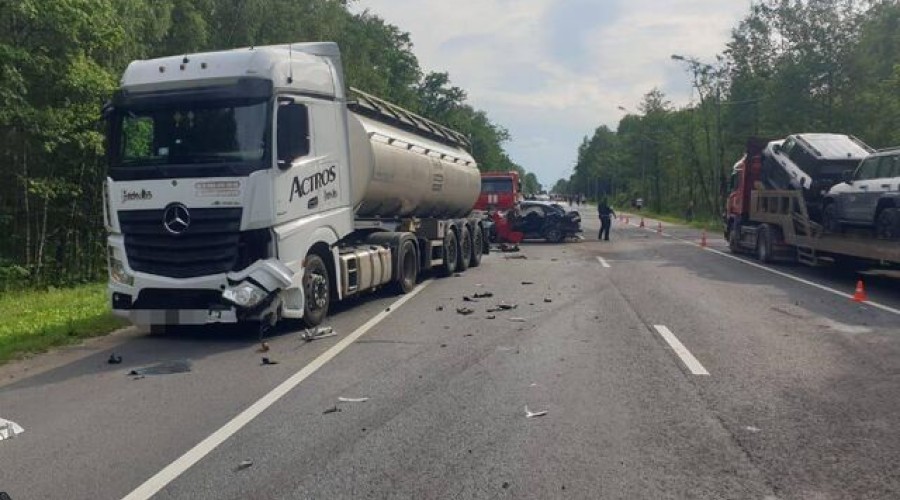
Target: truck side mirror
column 292, row 133
column 847, row 176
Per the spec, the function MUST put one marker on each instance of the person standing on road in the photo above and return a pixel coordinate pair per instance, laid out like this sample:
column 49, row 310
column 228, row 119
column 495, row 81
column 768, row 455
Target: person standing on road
column 606, row 214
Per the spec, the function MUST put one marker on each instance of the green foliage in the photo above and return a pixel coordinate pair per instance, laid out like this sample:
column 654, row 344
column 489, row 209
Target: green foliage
column 60, row 60
column 791, row 66
column 36, row 321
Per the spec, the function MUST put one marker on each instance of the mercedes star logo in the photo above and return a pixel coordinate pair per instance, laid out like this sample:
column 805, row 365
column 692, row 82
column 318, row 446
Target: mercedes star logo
column 176, row 218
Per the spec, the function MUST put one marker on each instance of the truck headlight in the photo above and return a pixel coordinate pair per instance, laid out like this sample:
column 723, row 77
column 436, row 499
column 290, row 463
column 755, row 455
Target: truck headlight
column 118, row 273
column 244, row 295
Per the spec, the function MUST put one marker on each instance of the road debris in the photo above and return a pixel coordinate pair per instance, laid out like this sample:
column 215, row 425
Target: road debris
column 317, row 333
column 469, row 299
column 114, row 360
column 465, row 311
column 507, row 307
column 548, row 300
column 245, row 464
column 505, row 247
column 505, row 485
column 333, row 409
column 518, row 320
column 534, row 414
column 490, row 316
column 9, row 429
column 516, row 257
column 751, row 428
column 484, row 295
column 267, row 361
column 528, row 282
column 439, row 308
column 165, row 368
column 352, row 400
column 263, row 347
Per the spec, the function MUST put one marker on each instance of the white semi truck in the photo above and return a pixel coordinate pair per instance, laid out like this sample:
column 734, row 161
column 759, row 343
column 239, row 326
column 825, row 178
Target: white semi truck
column 248, row 186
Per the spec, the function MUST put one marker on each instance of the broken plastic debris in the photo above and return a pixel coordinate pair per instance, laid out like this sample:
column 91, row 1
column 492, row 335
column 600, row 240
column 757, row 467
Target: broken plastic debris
column 506, row 307
column 465, row 311
column 469, row 299
column 517, row 320
column 317, row 333
column 534, row 414
column 114, row 360
column 245, row 464
column 267, row 361
column 165, row 368
column 9, row 429
column 333, row 409
column 352, row 400
column 485, row 295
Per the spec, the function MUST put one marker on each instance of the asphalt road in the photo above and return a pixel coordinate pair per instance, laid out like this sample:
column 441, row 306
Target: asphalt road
column 675, row 372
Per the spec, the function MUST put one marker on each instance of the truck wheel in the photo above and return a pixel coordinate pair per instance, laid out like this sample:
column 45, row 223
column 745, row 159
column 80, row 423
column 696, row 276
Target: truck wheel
column 316, row 290
column 477, row 246
column 763, row 245
column 830, row 220
column 465, row 249
column 886, row 224
column 553, row 235
column 451, row 251
column 408, row 272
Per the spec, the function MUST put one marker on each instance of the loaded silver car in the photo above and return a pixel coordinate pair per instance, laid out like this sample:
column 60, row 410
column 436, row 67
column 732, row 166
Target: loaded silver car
column 868, row 197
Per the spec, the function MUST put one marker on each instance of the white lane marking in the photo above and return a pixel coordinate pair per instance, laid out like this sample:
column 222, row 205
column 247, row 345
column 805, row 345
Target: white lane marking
column 203, row 448
column 686, row 357
column 783, row 274
column 602, row 261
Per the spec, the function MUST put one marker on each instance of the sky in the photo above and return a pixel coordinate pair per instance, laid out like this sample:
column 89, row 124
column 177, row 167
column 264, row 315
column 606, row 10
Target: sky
column 552, row 71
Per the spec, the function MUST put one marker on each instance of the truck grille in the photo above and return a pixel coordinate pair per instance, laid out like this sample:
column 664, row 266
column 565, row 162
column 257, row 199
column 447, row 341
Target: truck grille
column 210, row 244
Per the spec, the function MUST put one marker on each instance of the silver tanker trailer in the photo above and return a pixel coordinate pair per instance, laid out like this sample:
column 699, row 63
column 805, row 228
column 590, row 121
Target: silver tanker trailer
column 250, row 185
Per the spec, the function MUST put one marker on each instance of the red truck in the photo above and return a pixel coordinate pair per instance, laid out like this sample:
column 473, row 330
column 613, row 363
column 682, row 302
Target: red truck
column 499, row 191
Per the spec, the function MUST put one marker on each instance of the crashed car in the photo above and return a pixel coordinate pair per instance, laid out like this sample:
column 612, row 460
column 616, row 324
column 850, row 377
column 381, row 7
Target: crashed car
column 549, row 221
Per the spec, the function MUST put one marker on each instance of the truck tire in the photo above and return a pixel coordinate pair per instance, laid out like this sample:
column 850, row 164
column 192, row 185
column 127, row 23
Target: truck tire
column 451, row 253
column 886, row 224
column 316, row 290
column 465, row 249
column 477, row 246
column 764, row 245
column 408, row 267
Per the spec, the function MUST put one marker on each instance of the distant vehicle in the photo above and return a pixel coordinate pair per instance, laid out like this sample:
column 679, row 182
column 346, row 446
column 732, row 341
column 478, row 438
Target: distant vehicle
column 549, row 221
column 869, row 196
column 811, row 163
column 542, row 197
column 499, row 191
column 775, row 224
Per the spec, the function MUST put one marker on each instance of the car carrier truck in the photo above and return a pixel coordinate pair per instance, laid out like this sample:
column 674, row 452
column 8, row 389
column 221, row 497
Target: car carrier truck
column 775, row 224
column 248, row 186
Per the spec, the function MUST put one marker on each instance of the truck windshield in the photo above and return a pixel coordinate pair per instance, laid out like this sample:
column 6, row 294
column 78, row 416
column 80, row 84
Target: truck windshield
column 497, row 185
column 191, row 133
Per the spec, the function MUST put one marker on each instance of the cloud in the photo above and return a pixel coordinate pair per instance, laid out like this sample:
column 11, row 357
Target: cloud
column 551, row 71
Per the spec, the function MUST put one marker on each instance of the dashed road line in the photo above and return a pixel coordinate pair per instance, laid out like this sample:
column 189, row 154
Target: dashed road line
column 687, row 358
column 161, row 479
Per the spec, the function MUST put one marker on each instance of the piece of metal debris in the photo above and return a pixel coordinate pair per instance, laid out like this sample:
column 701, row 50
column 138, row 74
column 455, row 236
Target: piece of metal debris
column 469, row 299
column 165, row 368
column 528, row 282
column 516, row 257
column 333, row 409
column 465, row 311
column 352, row 400
column 245, row 464
column 267, row 361
column 9, row 429
column 317, row 333
column 485, row 295
column 490, row 316
column 114, row 360
column 534, row 414
column 507, row 307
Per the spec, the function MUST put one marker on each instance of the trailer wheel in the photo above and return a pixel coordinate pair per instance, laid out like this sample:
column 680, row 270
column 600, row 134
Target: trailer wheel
column 316, row 290
column 408, row 270
column 451, row 252
column 465, row 249
column 477, row 246
column 763, row 245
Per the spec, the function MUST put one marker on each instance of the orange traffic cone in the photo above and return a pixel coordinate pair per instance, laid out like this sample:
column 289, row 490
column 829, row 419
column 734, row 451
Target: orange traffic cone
column 860, row 294
column 703, row 239
column 659, row 228
column 642, row 223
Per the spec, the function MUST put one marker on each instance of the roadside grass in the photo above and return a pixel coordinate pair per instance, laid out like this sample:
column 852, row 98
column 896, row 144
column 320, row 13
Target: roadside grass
column 34, row 321
column 709, row 224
